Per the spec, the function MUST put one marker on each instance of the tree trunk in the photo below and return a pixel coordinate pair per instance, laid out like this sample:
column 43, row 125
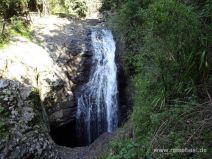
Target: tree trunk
column 3, row 27
column 45, row 7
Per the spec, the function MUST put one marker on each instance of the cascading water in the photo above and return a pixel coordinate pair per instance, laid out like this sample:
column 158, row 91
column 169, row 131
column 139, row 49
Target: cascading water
column 97, row 105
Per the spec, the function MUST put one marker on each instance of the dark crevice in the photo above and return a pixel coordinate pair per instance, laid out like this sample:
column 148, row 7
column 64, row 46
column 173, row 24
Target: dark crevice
column 64, row 135
column 124, row 98
column 124, row 103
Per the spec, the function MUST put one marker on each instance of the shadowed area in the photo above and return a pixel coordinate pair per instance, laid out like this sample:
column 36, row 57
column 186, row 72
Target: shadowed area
column 64, row 135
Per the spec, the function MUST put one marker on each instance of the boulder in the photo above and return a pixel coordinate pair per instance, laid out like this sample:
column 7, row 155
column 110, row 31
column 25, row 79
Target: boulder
column 32, row 65
column 56, row 67
column 23, row 130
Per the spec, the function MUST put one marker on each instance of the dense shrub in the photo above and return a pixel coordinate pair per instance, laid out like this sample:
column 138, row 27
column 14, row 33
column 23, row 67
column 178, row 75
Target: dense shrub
column 16, row 26
column 12, row 10
column 9, row 8
column 168, row 56
column 76, row 8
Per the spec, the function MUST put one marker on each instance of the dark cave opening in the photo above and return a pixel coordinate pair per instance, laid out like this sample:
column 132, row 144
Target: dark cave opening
column 65, row 135
column 123, row 96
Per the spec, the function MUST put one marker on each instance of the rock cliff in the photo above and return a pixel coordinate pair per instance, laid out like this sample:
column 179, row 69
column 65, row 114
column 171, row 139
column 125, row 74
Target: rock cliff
column 55, row 66
column 23, row 129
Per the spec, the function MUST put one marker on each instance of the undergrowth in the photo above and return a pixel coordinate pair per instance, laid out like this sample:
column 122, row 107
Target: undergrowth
column 168, row 57
column 73, row 8
column 15, row 26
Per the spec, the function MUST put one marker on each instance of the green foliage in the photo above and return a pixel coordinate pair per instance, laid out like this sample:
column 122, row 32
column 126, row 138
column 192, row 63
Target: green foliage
column 124, row 149
column 175, row 55
column 9, row 8
column 4, row 37
column 111, row 4
column 10, row 12
column 35, row 97
column 16, row 26
column 76, row 8
column 169, row 59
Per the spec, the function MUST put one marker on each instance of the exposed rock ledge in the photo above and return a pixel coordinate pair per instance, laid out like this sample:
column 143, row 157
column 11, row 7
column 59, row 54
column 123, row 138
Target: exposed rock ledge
column 55, row 66
column 50, row 71
column 23, row 132
column 24, row 128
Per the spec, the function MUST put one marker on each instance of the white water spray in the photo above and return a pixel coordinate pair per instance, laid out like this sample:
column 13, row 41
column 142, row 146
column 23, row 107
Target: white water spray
column 97, row 100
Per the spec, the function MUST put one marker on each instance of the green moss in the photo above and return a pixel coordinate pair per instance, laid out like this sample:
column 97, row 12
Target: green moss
column 35, row 97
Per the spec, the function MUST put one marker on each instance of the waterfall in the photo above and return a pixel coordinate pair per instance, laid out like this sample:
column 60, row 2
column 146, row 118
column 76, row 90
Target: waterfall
column 97, row 105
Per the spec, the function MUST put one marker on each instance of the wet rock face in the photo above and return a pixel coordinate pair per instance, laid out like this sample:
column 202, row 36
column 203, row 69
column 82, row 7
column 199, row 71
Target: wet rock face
column 75, row 62
column 55, row 68
column 23, row 131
